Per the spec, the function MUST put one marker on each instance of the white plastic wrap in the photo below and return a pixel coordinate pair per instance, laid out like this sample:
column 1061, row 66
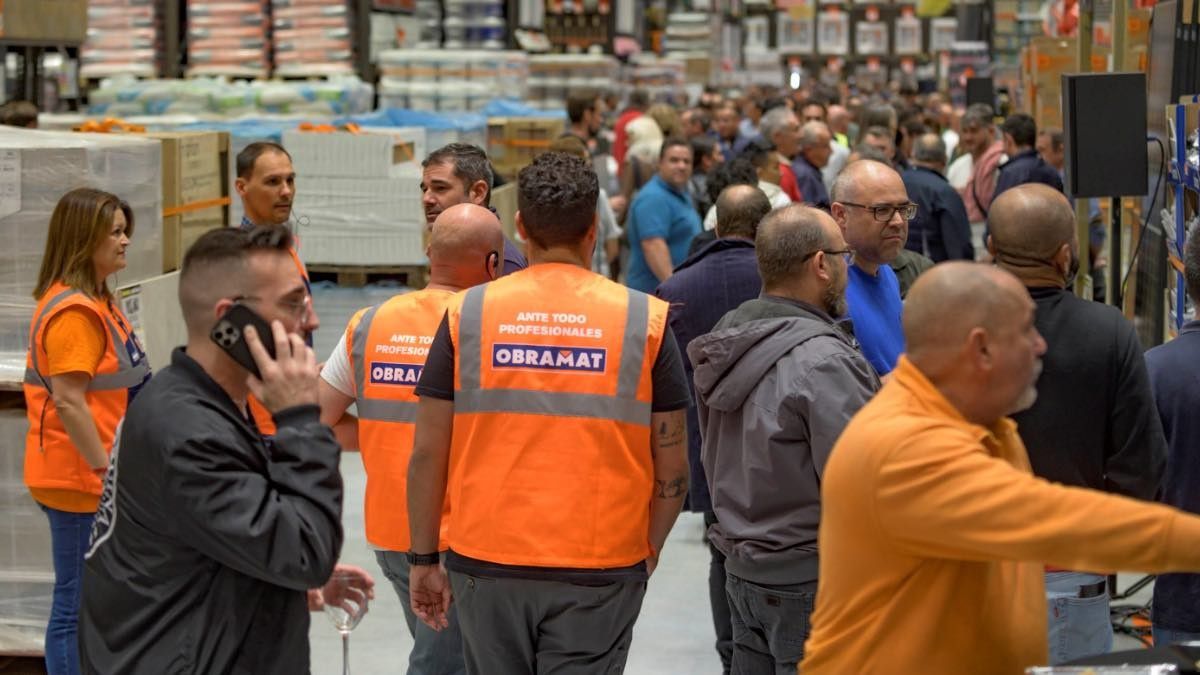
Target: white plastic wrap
column 39, row 167
column 26, row 564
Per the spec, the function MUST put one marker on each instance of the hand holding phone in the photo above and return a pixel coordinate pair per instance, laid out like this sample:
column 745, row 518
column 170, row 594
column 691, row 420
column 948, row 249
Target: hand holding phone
column 290, row 378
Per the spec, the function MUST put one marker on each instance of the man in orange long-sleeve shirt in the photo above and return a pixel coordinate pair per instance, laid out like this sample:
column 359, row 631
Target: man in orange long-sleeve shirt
column 934, row 531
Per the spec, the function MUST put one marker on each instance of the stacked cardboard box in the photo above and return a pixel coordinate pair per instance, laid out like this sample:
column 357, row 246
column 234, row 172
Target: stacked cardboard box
column 36, row 169
column 1049, row 59
column 513, row 142
column 358, row 198
column 195, row 188
column 63, row 21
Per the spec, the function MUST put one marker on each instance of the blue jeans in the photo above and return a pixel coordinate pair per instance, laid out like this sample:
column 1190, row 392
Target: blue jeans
column 1078, row 627
column 433, row 652
column 770, row 625
column 1168, row 636
column 69, row 533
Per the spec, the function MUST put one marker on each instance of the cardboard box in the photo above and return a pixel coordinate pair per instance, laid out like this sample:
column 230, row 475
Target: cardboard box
column 195, row 172
column 53, row 20
column 513, row 142
column 1050, row 59
column 152, row 308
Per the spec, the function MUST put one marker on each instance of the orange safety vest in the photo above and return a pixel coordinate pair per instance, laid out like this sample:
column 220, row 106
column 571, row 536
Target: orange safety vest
column 258, row 412
column 550, row 458
column 51, row 459
column 387, row 345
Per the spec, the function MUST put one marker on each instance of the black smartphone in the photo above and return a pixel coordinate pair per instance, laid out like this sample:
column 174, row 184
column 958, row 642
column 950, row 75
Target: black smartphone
column 229, row 334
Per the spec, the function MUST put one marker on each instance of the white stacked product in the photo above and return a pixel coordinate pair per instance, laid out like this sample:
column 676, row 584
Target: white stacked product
column 763, row 66
column 660, row 77
column 444, row 80
column 27, row 583
column 554, row 77
column 358, row 198
column 123, row 37
column 228, row 37
column 36, row 169
column 429, row 12
column 126, row 97
column 312, row 37
column 474, row 24
column 689, row 32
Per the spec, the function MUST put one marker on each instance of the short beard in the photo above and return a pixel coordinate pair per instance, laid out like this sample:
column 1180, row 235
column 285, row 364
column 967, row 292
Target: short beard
column 834, row 300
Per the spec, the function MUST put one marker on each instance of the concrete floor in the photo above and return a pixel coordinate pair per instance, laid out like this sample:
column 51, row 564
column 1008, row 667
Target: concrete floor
column 673, row 635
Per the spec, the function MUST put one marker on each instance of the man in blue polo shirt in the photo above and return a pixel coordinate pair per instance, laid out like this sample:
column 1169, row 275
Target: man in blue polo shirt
column 872, row 206
column 662, row 221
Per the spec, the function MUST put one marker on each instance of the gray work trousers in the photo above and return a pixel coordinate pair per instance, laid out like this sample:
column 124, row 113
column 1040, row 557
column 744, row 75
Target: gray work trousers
column 433, row 652
column 770, row 625
column 527, row 627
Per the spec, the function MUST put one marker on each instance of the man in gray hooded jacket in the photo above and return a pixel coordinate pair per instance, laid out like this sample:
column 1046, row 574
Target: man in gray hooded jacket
column 777, row 381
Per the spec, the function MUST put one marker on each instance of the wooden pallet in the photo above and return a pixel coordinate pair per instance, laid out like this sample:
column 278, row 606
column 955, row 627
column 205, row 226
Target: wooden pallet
column 357, row 276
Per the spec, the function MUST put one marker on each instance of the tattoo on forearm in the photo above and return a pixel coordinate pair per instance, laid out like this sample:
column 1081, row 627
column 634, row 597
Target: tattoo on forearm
column 672, row 433
column 672, row 489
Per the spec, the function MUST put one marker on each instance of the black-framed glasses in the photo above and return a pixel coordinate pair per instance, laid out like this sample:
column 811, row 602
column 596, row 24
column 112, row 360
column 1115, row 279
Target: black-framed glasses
column 884, row 212
column 297, row 308
column 846, row 253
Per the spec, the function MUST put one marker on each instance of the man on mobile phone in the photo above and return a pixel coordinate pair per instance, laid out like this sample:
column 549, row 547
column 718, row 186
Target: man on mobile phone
column 376, row 365
column 208, row 534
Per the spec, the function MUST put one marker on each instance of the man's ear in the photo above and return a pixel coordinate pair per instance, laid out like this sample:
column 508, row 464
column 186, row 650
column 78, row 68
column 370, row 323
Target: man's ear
column 240, row 186
column 478, row 193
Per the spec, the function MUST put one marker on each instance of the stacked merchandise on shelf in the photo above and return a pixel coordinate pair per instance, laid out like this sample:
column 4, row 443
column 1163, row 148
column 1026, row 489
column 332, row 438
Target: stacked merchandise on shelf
column 228, row 37
column 429, row 12
column 358, row 200
column 123, row 37
column 662, row 78
column 36, row 169
column 436, row 79
column 689, row 38
column 763, row 66
column 126, row 97
column 1014, row 24
column 474, row 24
column 312, row 37
column 554, row 77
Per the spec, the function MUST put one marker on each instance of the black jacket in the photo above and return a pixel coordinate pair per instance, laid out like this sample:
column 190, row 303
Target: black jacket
column 1094, row 423
column 941, row 229
column 1026, row 167
column 207, row 536
column 714, row 280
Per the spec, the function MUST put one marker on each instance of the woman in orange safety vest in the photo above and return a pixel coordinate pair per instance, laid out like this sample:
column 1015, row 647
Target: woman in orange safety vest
column 83, row 367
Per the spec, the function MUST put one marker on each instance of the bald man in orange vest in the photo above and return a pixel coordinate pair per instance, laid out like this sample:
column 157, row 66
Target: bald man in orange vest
column 376, row 366
column 552, row 411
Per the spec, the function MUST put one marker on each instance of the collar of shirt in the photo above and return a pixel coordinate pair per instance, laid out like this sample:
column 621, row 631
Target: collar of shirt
column 1024, row 154
column 800, row 304
column 681, row 194
column 1190, row 327
column 909, row 377
column 925, row 169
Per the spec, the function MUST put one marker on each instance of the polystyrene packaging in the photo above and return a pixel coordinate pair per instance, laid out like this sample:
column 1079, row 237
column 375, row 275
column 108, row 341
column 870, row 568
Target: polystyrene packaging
column 358, row 200
column 28, row 578
column 36, row 169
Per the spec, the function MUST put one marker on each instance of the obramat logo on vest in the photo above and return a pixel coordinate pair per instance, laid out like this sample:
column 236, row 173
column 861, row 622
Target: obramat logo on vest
column 548, row 357
column 395, row 373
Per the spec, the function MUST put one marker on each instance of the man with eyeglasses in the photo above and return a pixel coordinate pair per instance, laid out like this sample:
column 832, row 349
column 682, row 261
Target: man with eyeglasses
column 376, row 365
column 872, row 206
column 203, row 518
column 776, row 381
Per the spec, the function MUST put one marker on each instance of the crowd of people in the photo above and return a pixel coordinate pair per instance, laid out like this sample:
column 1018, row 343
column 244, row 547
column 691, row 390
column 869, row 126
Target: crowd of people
column 765, row 309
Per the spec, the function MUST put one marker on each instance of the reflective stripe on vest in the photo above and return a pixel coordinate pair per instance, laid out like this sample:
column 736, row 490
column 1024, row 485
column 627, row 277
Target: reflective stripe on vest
column 622, row 407
column 378, row 409
column 127, row 376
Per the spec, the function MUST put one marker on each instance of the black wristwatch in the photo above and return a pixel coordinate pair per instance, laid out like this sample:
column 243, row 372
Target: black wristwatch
column 423, row 558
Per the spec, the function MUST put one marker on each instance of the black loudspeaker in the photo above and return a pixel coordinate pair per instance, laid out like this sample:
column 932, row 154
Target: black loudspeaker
column 1104, row 119
column 981, row 90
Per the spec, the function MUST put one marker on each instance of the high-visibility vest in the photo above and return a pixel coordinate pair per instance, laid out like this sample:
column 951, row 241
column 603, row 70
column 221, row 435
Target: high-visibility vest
column 550, row 459
column 387, row 345
column 51, row 459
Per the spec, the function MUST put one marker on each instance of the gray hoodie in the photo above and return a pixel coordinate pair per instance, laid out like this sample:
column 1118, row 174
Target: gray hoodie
column 777, row 381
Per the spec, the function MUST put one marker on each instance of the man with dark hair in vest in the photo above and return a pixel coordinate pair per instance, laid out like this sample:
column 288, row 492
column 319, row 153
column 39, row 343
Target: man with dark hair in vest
column 552, row 411
column 376, row 366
